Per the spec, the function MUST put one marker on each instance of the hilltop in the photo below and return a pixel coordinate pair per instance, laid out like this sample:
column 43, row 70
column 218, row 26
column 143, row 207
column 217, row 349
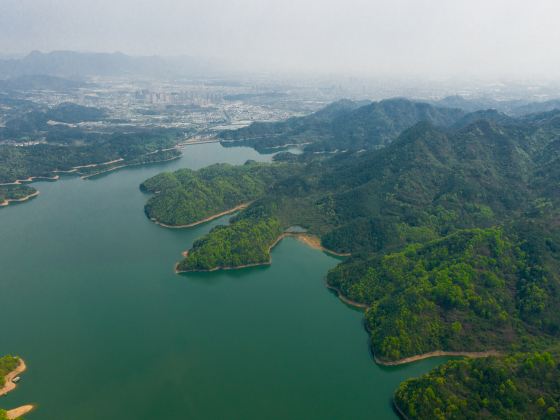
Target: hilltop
column 343, row 125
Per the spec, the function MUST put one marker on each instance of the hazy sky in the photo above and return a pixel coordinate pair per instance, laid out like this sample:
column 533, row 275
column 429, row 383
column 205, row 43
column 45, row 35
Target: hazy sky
column 400, row 37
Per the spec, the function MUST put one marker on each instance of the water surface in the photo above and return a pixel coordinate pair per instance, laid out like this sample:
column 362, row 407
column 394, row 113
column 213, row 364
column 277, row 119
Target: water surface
column 108, row 330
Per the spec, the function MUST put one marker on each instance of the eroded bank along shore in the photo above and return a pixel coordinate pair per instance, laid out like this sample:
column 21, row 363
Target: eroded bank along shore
column 75, row 170
column 32, row 179
column 438, row 353
column 10, row 385
column 7, row 201
column 349, row 302
column 206, row 220
column 129, row 165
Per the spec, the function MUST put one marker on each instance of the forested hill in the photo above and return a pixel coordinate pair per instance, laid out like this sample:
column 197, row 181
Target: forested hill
column 521, row 386
column 343, row 125
column 185, row 196
column 455, row 240
column 425, row 184
column 55, row 141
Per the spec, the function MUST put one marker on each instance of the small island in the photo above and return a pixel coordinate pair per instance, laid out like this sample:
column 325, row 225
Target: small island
column 10, row 369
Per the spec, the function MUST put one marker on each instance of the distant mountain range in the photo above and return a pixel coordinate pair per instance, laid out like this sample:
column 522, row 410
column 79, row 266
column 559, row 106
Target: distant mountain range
column 515, row 107
column 39, row 82
column 79, row 65
column 352, row 126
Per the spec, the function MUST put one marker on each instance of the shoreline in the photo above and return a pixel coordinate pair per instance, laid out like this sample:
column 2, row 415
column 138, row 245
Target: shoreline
column 306, row 238
column 345, row 300
column 95, row 165
column 7, row 201
column 114, row 168
column 208, row 219
column 398, row 410
column 16, row 413
column 418, row 357
column 32, row 179
column 8, row 384
column 238, row 267
column 314, row 242
column 437, row 353
column 75, row 169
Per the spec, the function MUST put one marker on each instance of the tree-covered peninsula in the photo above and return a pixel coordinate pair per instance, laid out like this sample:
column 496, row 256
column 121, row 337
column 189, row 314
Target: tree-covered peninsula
column 96, row 153
column 185, row 197
column 37, row 141
column 454, row 237
column 246, row 242
column 15, row 193
column 474, row 289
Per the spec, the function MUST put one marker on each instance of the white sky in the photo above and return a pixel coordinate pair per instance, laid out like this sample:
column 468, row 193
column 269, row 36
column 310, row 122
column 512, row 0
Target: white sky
column 375, row 37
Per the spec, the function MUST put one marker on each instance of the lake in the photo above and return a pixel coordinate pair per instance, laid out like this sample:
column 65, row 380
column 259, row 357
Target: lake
column 90, row 300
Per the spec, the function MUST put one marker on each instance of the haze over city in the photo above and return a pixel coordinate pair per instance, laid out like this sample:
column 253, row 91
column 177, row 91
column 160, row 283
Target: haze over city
column 424, row 38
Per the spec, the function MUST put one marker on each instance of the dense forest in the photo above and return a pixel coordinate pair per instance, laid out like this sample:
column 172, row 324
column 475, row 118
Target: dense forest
column 245, row 242
column 15, row 192
column 45, row 160
column 519, row 386
column 454, row 235
column 186, row 196
column 474, row 289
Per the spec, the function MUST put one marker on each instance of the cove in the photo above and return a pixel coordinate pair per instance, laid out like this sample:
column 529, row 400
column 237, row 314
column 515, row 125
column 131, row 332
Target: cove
column 108, row 330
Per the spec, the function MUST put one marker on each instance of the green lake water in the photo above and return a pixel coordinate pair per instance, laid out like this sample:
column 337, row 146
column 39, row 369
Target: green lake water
column 109, row 331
